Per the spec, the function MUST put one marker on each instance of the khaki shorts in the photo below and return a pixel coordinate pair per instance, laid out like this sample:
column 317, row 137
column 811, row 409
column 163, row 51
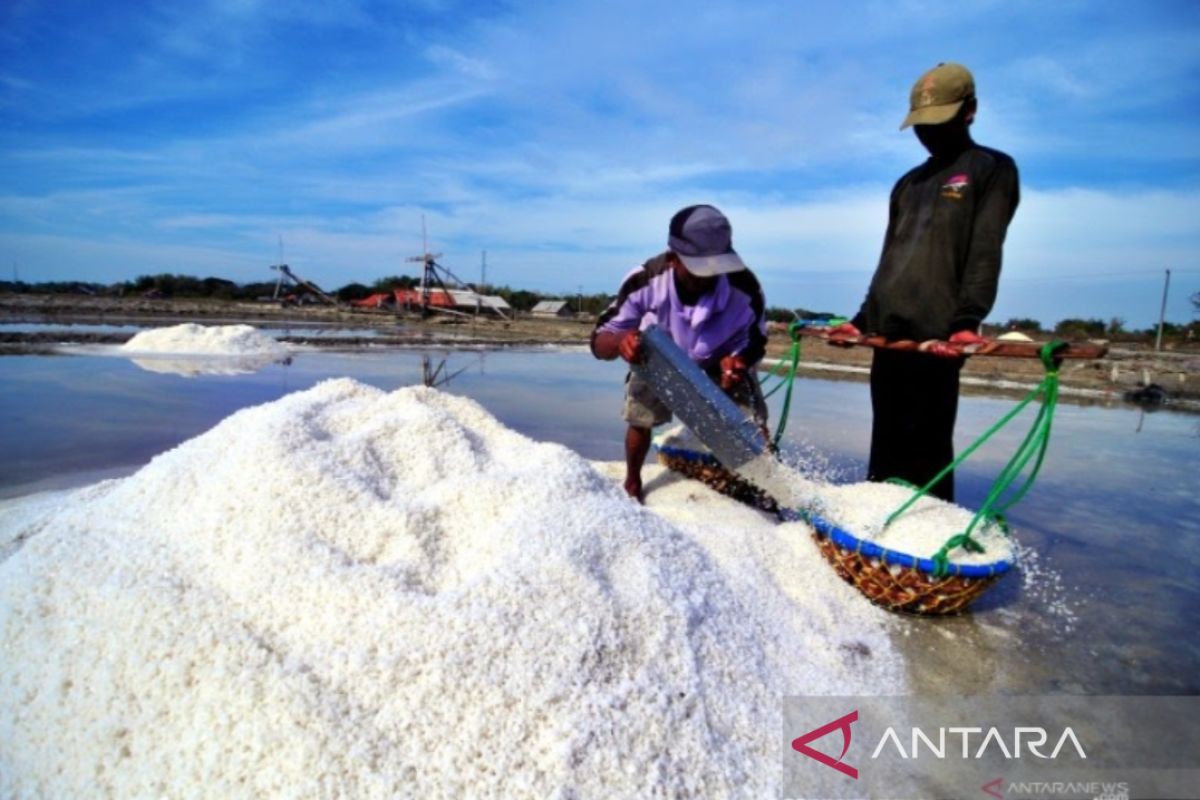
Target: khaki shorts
column 643, row 409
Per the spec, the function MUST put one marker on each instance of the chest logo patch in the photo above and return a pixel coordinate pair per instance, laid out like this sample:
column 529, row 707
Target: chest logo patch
column 956, row 186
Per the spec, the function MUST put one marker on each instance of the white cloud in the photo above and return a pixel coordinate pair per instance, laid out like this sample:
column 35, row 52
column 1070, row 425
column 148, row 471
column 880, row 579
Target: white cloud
column 1066, row 247
column 470, row 67
column 561, row 137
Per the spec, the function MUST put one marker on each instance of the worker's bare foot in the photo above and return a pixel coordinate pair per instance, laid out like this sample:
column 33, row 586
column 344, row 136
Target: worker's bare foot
column 633, row 488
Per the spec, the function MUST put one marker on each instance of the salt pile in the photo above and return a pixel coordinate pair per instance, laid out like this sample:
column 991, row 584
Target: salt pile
column 201, row 340
column 862, row 509
column 191, row 350
column 348, row 592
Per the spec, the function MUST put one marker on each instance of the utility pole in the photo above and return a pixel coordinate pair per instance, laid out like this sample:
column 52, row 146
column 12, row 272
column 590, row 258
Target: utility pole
column 482, row 281
column 429, row 276
column 1162, row 313
column 425, row 259
column 479, row 287
column 279, row 266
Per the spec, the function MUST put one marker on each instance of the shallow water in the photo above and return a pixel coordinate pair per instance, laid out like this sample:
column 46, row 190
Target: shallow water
column 68, row 327
column 276, row 329
column 1102, row 604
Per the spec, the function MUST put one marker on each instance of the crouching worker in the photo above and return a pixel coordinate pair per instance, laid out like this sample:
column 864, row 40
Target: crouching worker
column 701, row 294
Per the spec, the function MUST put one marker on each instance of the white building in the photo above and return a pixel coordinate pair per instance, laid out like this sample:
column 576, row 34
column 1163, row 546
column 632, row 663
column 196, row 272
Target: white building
column 552, row 308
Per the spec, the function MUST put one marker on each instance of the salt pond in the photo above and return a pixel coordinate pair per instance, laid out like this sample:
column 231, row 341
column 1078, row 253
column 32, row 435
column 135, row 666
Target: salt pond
column 1110, row 531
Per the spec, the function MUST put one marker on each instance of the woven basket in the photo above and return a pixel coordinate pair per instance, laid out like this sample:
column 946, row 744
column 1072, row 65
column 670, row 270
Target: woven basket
column 705, row 468
column 894, row 580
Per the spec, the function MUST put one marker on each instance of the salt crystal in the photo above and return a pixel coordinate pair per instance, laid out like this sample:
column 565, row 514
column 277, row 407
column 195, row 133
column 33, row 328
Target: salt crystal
column 349, row 592
column 193, row 339
column 862, row 509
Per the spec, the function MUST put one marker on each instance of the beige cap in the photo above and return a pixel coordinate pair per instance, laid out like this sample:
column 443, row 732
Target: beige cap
column 938, row 95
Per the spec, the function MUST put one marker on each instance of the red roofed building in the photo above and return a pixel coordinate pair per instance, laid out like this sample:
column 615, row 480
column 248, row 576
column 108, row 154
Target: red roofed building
column 412, row 297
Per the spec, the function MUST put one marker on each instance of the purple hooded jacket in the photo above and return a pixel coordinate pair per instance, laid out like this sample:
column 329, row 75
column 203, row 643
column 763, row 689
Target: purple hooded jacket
column 730, row 319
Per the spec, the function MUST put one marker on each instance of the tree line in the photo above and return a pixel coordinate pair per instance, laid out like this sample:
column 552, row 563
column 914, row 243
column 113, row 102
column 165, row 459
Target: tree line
column 188, row 286
column 191, row 287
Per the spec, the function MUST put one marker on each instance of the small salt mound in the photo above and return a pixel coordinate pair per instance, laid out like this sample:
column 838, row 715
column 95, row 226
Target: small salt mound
column 354, row 593
column 862, row 508
column 213, row 340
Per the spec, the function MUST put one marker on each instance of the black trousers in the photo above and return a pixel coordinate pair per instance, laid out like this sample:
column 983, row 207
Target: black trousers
column 914, row 398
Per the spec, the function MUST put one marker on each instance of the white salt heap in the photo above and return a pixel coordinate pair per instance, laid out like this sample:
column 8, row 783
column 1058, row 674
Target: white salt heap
column 862, row 509
column 353, row 593
column 212, row 340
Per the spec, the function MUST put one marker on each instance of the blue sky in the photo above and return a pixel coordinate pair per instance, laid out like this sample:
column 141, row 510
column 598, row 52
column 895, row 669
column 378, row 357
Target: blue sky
column 142, row 137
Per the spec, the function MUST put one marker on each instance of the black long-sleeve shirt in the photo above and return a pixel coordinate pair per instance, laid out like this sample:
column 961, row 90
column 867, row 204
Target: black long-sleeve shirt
column 941, row 255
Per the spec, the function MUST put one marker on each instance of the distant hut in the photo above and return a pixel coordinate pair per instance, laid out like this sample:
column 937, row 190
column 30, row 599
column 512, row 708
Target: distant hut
column 549, row 309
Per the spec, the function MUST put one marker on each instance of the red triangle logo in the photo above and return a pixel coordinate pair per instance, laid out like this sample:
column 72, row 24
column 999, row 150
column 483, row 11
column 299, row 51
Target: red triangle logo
column 800, row 745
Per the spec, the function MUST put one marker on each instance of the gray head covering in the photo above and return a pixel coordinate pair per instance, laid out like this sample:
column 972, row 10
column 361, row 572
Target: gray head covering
column 703, row 239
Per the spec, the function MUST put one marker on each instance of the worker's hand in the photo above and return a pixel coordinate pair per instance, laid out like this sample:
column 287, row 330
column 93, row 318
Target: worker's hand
column 630, row 348
column 967, row 337
column 733, row 371
column 769, row 442
column 841, row 335
column 961, row 338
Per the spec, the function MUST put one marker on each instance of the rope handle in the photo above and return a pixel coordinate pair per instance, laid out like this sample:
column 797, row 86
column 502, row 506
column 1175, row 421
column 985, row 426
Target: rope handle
column 1032, row 448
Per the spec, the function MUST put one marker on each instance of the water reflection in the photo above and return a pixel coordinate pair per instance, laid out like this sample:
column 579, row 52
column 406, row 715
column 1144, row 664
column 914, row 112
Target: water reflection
column 441, row 375
column 195, row 366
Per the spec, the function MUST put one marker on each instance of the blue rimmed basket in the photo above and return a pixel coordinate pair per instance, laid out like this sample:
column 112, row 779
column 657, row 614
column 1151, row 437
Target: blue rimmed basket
column 894, row 580
column 899, row 581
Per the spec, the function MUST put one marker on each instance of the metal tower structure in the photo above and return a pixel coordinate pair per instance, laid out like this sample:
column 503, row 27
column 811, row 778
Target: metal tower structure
column 432, row 274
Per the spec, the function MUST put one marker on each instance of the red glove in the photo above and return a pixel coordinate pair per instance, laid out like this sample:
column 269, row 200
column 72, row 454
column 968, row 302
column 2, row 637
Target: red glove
column 630, row 347
column 842, row 333
column 959, row 338
column 967, row 337
column 733, row 371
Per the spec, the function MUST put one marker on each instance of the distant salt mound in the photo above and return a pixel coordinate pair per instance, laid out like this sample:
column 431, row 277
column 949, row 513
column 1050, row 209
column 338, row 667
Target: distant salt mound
column 353, row 593
column 204, row 340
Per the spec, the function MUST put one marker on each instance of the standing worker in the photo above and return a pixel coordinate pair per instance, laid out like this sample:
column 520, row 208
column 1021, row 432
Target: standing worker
column 936, row 279
column 704, row 297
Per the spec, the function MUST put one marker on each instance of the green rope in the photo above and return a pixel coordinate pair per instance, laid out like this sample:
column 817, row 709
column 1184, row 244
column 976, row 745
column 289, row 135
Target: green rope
column 785, row 369
column 781, row 370
column 1032, row 448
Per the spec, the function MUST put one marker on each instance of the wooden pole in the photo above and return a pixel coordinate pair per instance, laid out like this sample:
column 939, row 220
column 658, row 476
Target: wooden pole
column 1162, row 313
